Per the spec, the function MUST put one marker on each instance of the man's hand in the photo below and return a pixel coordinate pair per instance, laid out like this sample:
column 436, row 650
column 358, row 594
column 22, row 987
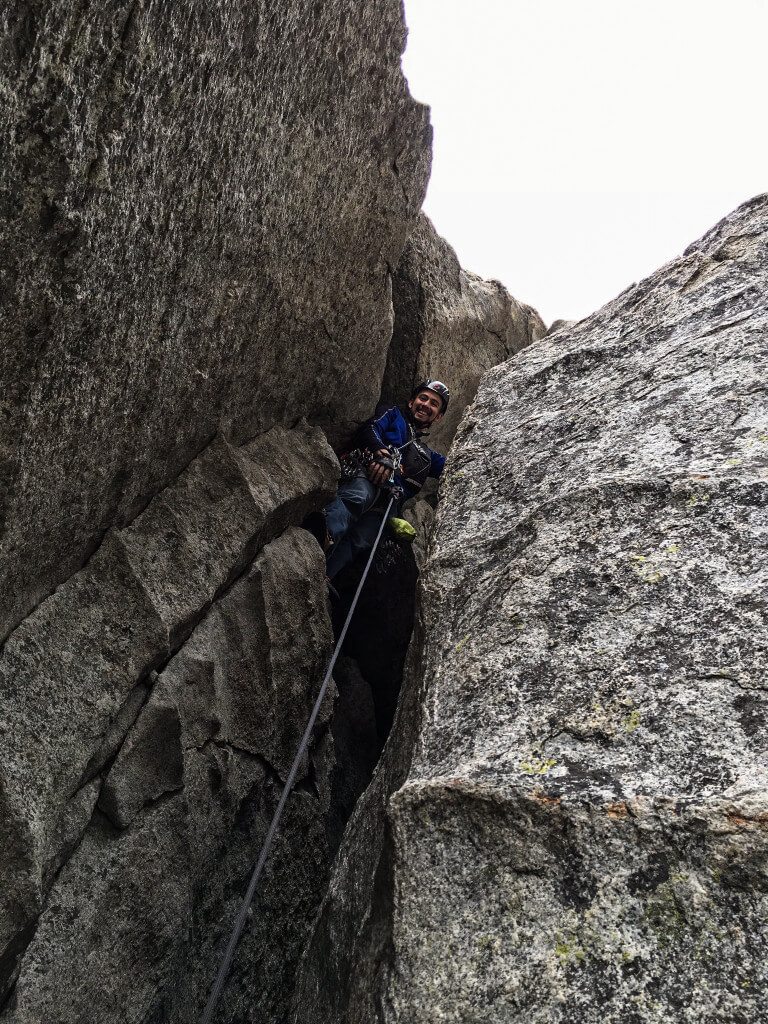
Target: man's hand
column 379, row 475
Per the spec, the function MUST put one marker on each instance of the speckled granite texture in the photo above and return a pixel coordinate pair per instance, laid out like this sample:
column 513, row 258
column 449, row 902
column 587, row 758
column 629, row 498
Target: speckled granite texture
column 570, row 823
column 150, row 708
column 201, row 205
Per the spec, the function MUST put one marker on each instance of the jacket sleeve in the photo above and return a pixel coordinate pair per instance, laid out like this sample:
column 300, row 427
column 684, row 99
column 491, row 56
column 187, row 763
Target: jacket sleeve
column 438, row 463
column 372, row 434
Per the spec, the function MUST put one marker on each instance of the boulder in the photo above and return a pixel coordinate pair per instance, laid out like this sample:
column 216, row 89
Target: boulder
column 196, row 239
column 135, row 922
column 450, row 325
column 74, row 675
column 570, row 821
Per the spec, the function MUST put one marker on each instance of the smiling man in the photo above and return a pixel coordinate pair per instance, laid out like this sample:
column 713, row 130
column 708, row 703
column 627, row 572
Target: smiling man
column 352, row 519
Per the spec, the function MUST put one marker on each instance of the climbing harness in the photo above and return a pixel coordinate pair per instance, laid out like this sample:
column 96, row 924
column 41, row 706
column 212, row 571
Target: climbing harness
column 242, row 916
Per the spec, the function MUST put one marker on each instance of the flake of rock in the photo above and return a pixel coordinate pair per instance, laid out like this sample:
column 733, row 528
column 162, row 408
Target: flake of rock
column 450, row 325
column 134, row 924
column 149, row 765
column 119, row 726
column 68, row 670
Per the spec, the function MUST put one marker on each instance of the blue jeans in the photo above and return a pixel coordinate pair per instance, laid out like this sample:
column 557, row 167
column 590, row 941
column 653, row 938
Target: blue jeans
column 352, row 522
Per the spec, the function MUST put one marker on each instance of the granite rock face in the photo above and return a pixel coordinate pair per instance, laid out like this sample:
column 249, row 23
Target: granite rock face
column 449, row 325
column 200, row 206
column 75, row 674
column 575, row 826
column 133, row 923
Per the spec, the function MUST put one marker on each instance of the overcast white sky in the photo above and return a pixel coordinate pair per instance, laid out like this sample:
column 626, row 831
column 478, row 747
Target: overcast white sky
column 580, row 144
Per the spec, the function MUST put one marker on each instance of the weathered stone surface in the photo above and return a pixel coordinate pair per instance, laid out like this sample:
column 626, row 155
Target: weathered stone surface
column 68, row 670
column 559, row 325
column 343, row 969
column 200, row 209
column 134, row 923
column 421, row 515
column 450, row 325
column 150, row 762
column 579, row 825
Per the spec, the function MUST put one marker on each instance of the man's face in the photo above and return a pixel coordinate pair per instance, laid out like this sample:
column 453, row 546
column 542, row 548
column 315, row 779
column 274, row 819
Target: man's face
column 426, row 407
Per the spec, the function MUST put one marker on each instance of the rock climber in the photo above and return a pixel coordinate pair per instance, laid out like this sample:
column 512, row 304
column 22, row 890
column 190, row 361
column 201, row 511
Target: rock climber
column 370, row 471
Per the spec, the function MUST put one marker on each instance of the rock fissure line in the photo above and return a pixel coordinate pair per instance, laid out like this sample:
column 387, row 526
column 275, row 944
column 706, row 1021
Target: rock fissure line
column 153, row 583
column 238, row 570
column 154, row 673
column 137, row 511
column 91, row 551
column 271, row 773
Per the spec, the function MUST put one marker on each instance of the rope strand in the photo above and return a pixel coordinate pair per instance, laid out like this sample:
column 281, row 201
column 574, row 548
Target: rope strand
column 242, row 916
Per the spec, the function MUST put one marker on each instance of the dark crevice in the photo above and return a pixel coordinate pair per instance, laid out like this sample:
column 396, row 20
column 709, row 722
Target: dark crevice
column 10, row 963
column 408, row 301
column 120, row 726
column 369, row 673
column 498, row 336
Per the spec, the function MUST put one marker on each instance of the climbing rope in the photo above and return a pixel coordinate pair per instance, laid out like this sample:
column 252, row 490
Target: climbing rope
column 239, row 925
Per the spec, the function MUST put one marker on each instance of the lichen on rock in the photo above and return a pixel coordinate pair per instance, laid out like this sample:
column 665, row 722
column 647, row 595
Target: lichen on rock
column 574, row 827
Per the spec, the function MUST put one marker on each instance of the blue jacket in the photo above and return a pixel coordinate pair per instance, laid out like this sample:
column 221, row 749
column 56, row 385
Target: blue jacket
column 391, row 426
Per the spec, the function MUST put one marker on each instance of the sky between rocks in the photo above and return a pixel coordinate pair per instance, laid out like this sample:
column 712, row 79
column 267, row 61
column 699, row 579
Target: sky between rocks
column 580, row 144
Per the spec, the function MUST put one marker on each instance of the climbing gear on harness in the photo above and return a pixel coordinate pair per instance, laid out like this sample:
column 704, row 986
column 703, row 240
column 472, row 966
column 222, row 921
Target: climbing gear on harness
column 393, row 464
column 355, row 463
column 416, row 463
column 239, row 925
column 433, row 385
column 402, row 529
column 359, row 461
